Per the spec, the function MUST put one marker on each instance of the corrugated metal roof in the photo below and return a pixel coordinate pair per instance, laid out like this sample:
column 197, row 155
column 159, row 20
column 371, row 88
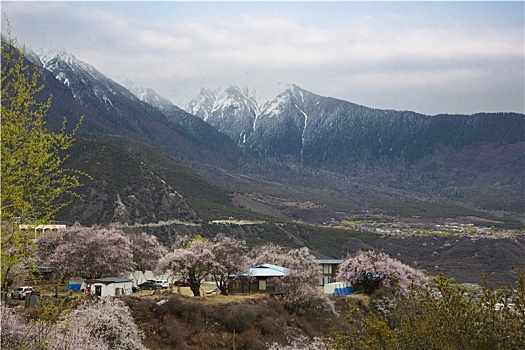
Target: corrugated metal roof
column 268, row 270
column 109, row 280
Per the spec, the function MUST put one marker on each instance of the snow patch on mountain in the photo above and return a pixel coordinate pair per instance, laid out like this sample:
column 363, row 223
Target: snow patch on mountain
column 304, row 131
column 204, row 104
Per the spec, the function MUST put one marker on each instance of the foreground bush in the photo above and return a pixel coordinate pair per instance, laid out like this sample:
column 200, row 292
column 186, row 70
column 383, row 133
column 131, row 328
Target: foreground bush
column 109, row 322
column 445, row 318
column 222, row 322
column 98, row 324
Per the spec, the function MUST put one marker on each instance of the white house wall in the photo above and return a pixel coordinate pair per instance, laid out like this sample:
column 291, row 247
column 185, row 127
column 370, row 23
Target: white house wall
column 109, row 289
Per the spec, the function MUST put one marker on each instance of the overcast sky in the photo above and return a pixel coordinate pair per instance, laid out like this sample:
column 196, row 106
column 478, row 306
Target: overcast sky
column 429, row 57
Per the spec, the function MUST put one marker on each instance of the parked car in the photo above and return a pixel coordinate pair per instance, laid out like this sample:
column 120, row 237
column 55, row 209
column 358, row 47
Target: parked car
column 20, row 292
column 135, row 289
column 151, row 285
column 163, row 283
column 182, row 283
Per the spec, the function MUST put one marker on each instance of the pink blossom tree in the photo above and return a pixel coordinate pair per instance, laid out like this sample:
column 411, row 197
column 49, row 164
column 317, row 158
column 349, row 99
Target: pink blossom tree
column 93, row 252
column 147, row 251
column 15, row 332
column 109, row 323
column 230, row 257
column 97, row 324
column 20, row 332
column 198, row 258
column 303, row 266
column 47, row 242
column 72, row 337
column 269, row 253
column 194, row 262
column 369, row 268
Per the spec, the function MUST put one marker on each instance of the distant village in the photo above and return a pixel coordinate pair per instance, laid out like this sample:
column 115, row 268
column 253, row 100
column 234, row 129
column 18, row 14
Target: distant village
column 393, row 226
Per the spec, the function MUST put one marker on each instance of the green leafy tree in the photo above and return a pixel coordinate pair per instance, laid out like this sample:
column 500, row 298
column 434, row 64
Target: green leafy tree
column 35, row 183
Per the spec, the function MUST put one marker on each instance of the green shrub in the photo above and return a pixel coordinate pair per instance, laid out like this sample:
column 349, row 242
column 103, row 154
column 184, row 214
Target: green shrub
column 441, row 318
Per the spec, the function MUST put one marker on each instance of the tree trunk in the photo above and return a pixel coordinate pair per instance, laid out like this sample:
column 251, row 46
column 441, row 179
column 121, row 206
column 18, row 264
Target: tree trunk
column 195, row 287
column 223, row 287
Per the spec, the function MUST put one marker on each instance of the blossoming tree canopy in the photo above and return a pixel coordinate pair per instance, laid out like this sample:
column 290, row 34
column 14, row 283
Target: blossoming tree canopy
column 90, row 252
column 369, row 268
column 193, row 261
column 198, row 258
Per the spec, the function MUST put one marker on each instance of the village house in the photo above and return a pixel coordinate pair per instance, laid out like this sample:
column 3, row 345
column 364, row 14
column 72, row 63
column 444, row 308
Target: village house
column 255, row 279
column 329, row 269
column 110, row 286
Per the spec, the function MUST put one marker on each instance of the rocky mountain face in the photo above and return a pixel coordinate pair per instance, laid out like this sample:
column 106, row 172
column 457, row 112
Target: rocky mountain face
column 234, row 140
column 302, row 127
column 110, row 108
column 402, row 149
column 122, row 189
column 232, row 111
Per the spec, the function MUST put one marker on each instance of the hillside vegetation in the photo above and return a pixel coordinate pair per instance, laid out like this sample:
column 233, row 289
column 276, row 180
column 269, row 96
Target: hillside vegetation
column 445, row 317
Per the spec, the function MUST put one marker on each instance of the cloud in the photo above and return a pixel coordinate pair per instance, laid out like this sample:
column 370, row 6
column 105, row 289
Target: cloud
column 350, row 59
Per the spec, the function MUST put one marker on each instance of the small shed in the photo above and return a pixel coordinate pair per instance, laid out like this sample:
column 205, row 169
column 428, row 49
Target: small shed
column 110, row 286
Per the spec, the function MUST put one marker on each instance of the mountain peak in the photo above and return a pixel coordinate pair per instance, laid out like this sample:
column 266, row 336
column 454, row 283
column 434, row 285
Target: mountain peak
column 150, row 96
column 298, row 92
column 231, row 111
column 52, row 57
column 294, row 87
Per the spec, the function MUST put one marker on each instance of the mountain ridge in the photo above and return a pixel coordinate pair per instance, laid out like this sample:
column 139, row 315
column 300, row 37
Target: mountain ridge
column 301, row 132
column 294, row 118
column 110, row 108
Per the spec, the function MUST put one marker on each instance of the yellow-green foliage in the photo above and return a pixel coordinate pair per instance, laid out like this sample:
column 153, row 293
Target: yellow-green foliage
column 348, row 223
column 32, row 173
column 441, row 318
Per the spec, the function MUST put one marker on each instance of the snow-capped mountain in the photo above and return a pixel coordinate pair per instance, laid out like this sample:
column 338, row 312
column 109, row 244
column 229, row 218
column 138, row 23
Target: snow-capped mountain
column 110, row 108
column 150, row 96
column 82, row 78
column 194, row 127
column 231, row 111
column 299, row 126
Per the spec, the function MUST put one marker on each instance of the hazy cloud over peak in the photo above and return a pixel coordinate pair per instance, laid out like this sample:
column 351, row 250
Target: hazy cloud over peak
column 428, row 57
